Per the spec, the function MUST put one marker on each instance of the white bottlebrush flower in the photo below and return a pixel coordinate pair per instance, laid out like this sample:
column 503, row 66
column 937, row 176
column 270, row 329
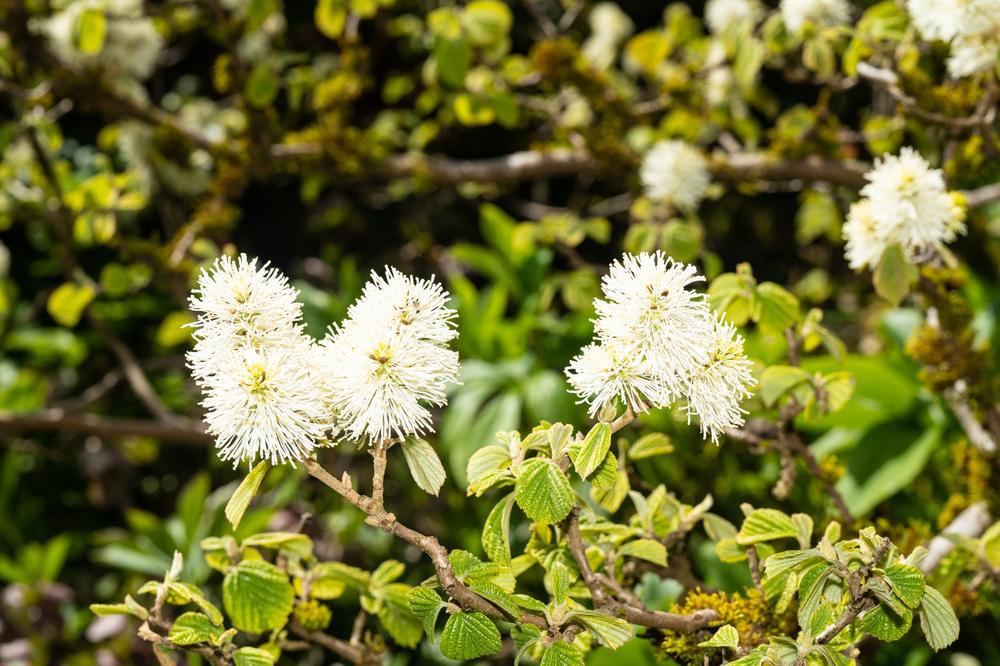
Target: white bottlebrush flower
column 265, row 404
column 721, row 14
column 609, row 26
column 238, row 303
column 379, row 380
column 972, row 27
column 822, row 13
column 389, row 360
column 649, row 310
column 910, row 203
column 418, row 305
column 602, row 374
column 864, row 246
column 715, row 391
column 676, row 173
column 131, row 43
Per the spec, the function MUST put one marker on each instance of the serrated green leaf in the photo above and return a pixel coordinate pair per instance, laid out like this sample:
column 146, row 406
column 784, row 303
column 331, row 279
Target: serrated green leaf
column 292, row 542
column 611, row 498
column 560, row 581
column 562, row 653
column 425, row 465
column 606, row 473
column 191, row 628
column 496, row 531
column 609, row 630
column 543, row 491
column 257, row 596
column 646, row 549
column 725, row 637
column 238, row 503
column 593, row 450
column 653, row 444
column 937, row 619
column 251, row 656
column 906, row 582
column 330, row 578
column 394, row 613
column 766, row 525
column 497, row 596
column 426, row 604
column 469, row 636
column 885, row 625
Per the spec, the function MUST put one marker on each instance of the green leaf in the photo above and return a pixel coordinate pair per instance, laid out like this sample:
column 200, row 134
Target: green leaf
column 67, row 303
column 609, row 630
column 777, row 380
column 611, row 498
column 262, row 85
column 91, row 30
column 725, row 637
column 766, row 525
column 885, row 625
column 257, row 596
column 496, row 531
column 593, row 450
column 453, row 57
column 562, row 653
column 292, row 542
column 386, row 573
column 937, row 619
column 487, row 466
column 543, row 491
column 606, row 474
column 893, row 275
column 426, row 604
column 487, row 22
column 330, row 578
column 191, row 628
column 469, row 636
column 989, row 545
column 331, row 17
column 251, row 656
column 653, row 444
column 646, row 549
column 906, row 582
column 559, row 580
column 497, row 595
column 425, row 465
column 238, row 503
column 774, row 308
column 396, row 617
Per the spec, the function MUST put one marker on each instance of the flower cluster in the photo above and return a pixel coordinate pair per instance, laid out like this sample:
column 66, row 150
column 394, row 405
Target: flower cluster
column 658, row 342
column 822, row 13
column 972, row 27
column 274, row 393
column 905, row 203
column 390, row 358
column 252, row 360
column 675, row 173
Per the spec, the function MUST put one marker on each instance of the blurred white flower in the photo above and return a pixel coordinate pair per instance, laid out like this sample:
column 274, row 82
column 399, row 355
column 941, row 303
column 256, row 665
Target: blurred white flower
column 910, row 203
column 864, row 246
column 389, row 360
column 649, row 311
column 131, row 43
column 715, row 391
column 972, row 27
column 602, row 373
column 264, row 404
column 821, row 13
column 721, row 14
column 676, row 173
column 609, row 26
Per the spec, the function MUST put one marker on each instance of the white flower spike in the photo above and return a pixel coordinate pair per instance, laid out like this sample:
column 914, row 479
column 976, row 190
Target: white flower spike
column 675, row 173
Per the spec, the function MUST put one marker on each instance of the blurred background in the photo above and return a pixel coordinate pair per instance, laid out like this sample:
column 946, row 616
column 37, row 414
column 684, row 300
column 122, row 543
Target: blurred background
column 139, row 140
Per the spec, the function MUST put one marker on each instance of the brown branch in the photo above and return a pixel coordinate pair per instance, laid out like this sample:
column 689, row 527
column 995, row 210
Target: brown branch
column 524, row 165
column 606, row 603
column 794, row 442
column 58, row 420
column 385, row 521
column 353, row 653
column 982, row 195
column 759, row 166
column 378, row 474
column 861, row 599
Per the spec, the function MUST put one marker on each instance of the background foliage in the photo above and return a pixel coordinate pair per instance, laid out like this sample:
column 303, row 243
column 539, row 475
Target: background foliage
column 495, row 145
